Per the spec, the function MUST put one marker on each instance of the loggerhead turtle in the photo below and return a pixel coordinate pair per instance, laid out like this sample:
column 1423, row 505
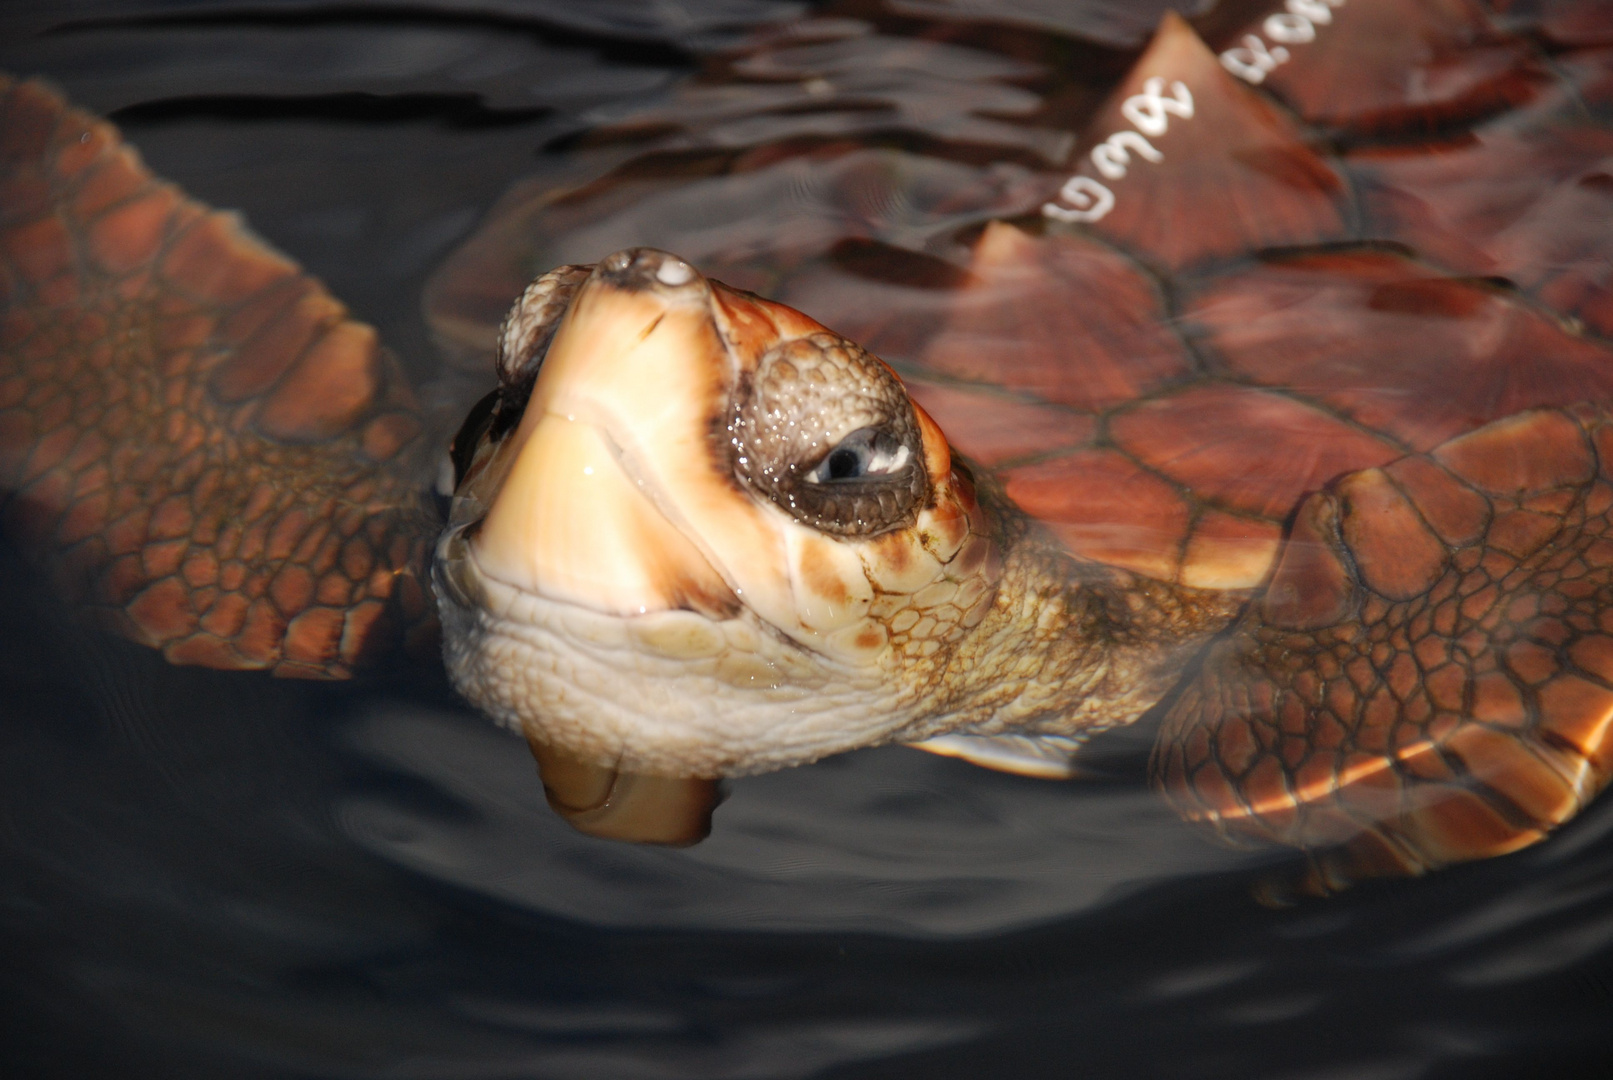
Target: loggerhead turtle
column 694, row 533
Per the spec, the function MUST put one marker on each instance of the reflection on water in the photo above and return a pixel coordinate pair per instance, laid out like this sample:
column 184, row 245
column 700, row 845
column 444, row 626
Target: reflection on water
column 214, row 873
column 886, row 841
column 194, row 887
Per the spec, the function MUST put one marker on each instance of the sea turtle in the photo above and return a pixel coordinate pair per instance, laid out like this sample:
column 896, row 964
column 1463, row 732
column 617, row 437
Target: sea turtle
column 1321, row 474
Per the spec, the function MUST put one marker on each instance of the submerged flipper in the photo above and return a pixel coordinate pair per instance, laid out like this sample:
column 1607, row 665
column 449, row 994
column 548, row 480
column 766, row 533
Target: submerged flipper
column 195, row 439
column 1429, row 676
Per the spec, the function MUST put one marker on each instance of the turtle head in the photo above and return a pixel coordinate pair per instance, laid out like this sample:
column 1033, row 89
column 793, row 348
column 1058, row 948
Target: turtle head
column 695, row 533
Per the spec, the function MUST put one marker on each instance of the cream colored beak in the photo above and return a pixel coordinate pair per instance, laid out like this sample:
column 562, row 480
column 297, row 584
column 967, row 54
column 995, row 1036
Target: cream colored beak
column 627, row 393
column 621, row 496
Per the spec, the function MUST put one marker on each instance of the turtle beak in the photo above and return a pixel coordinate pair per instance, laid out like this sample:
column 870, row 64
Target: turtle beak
column 620, row 495
column 634, row 380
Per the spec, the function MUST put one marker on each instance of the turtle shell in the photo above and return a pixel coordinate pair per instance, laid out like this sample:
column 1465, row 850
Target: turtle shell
column 1256, row 314
column 1314, row 314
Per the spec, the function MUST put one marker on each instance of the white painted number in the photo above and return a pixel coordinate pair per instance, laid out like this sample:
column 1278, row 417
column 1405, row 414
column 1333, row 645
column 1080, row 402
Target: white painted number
column 1091, row 200
column 1317, row 11
column 1147, row 110
column 1151, row 111
column 1252, row 59
column 1111, row 158
column 1289, row 29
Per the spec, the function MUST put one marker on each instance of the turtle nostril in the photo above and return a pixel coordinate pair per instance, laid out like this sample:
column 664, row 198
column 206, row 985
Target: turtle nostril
column 674, row 272
column 647, row 268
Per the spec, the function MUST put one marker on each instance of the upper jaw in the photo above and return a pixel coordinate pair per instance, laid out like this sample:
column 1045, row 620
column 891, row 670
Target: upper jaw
column 582, row 513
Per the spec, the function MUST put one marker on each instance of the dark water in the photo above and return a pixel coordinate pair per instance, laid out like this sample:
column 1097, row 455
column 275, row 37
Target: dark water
column 224, row 875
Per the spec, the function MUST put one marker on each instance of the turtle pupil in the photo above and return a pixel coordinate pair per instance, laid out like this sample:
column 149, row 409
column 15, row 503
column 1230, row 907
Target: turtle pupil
column 845, row 465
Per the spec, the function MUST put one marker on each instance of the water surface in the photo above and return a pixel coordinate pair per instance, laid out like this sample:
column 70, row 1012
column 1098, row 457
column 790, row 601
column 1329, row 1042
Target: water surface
column 216, row 874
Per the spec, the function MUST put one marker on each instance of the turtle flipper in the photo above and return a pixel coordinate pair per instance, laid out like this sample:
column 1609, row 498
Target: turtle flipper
column 195, row 439
column 1429, row 676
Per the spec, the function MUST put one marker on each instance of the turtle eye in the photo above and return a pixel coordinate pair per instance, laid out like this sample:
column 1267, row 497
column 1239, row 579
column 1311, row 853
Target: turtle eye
column 863, row 454
column 827, row 432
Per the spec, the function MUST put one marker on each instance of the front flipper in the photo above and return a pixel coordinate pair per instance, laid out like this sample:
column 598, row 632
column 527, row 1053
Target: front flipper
column 1429, row 676
column 195, row 440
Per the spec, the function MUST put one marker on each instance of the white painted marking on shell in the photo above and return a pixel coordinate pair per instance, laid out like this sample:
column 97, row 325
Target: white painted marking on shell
column 1290, row 29
column 1151, row 110
column 1111, row 156
column 1090, row 199
column 1317, row 11
column 673, row 272
column 1253, row 60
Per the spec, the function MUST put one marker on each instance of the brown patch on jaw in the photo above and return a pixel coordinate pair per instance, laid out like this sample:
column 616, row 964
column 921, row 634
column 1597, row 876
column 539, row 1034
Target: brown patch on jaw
column 897, row 563
column 818, row 574
column 871, row 638
column 892, row 550
column 701, row 590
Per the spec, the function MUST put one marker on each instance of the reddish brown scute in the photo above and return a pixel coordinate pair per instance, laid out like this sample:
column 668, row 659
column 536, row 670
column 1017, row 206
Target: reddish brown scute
column 194, row 437
column 1180, row 453
column 1428, row 675
column 1387, row 66
column 1270, row 189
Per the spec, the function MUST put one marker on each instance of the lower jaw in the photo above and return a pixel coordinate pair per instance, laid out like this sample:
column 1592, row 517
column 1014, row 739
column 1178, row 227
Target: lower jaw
column 670, row 694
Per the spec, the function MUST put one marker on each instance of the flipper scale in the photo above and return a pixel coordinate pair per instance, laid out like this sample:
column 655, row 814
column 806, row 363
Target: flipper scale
column 196, row 440
column 1450, row 697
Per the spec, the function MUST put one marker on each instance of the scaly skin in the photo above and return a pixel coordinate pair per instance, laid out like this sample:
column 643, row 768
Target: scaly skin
column 195, row 439
column 1429, row 677
column 1069, row 647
